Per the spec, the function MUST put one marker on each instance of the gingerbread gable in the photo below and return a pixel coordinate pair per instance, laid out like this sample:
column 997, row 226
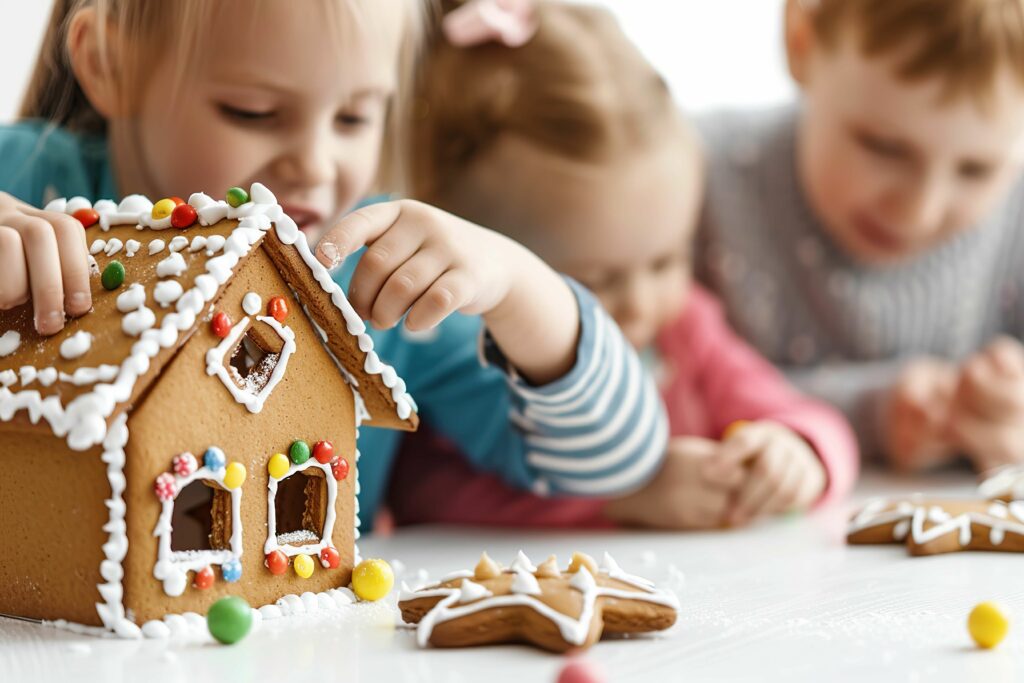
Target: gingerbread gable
column 76, row 383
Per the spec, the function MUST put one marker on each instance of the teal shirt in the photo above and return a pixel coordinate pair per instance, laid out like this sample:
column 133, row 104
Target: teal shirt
column 599, row 430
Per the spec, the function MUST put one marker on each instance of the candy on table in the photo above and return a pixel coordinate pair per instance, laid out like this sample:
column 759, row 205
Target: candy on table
column 234, row 475
column 231, row 571
column 303, row 565
column 183, row 216
column 299, row 452
column 214, row 459
column 323, row 451
column 229, row 619
column 339, row 468
column 278, row 465
column 277, row 308
column 987, row 624
column 221, row 324
column 277, row 562
column 165, row 486
column 87, row 217
column 236, row 196
column 372, row 579
column 163, row 209
column 580, row 671
column 203, row 578
column 113, row 276
column 184, row 464
column 330, row 558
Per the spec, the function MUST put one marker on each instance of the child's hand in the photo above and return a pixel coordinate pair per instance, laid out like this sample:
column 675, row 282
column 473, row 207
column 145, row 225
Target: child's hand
column 917, row 415
column 987, row 418
column 426, row 264
column 679, row 497
column 771, row 468
column 43, row 257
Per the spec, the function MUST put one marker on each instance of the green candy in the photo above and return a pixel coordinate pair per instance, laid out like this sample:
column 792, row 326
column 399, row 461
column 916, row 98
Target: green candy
column 113, row 275
column 237, row 196
column 299, row 452
column 229, row 620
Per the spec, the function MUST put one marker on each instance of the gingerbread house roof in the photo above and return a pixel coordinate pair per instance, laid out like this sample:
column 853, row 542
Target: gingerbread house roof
column 78, row 381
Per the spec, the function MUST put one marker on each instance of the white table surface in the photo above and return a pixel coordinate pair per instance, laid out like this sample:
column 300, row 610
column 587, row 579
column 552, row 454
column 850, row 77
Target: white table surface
column 785, row 600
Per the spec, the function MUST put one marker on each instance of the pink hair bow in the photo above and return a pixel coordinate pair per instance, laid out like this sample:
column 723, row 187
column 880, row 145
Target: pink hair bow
column 509, row 22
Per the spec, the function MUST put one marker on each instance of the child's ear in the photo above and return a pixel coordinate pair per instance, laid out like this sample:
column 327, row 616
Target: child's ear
column 800, row 38
column 94, row 59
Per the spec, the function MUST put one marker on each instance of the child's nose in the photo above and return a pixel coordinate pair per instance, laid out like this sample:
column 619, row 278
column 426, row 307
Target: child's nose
column 924, row 206
column 309, row 160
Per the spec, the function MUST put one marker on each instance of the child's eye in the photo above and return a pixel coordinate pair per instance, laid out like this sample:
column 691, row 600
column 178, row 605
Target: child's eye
column 881, row 147
column 352, row 120
column 974, row 170
column 241, row 114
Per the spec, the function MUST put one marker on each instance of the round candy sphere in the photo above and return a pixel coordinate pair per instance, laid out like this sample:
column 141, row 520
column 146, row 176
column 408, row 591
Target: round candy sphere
column 231, row 571
column 236, row 196
column 229, row 619
column 214, row 459
column 277, row 562
column 203, row 578
column 330, row 558
column 87, row 217
column 323, row 451
column 163, row 208
column 183, row 216
column 234, row 475
column 339, row 468
column 277, row 308
column 303, row 565
column 278, row 465
column 372, row 579
column 221, row 324
column 113, row 276
column 299, row 452
column 580, row 671
column 987, row 624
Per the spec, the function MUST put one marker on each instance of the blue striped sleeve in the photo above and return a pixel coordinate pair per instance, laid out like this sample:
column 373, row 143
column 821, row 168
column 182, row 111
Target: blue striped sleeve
column 601, row 430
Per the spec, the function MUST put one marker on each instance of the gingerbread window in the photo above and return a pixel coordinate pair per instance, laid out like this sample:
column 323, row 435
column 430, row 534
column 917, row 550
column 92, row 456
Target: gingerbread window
column 252, row 359
column 300, row 509
column 201, row 518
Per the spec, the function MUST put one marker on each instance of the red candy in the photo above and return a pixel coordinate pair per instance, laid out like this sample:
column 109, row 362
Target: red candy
column 581, row 671
column 330, row 558
column 323, row 451
column 339, row 468
column 203, row 578
column 165, row 486
column 221, row 324
column 87, row 217
column 183, row 216
column 277, row 562
column 184, row 464
column 278, row 308
column 178, row 201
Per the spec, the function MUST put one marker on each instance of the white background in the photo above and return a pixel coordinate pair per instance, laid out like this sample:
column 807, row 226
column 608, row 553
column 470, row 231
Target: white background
column 718, row 53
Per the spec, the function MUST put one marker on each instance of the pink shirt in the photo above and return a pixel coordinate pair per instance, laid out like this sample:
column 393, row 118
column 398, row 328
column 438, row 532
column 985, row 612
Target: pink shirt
column 712, row 379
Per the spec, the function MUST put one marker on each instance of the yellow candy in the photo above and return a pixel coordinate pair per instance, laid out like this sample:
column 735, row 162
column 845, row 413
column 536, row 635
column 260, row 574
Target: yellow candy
column 278, row 465
column 987, row 624
column 163, row 208
column 372, row 579
column 234, row 475
column 733, row 428
column 303, row 565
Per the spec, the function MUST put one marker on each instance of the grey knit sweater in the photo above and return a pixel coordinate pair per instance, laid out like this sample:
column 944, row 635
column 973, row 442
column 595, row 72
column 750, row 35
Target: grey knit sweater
column 841, row 330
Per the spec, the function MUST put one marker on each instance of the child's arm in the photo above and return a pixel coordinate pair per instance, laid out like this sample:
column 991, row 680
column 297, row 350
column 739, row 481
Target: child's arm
column 588, row 421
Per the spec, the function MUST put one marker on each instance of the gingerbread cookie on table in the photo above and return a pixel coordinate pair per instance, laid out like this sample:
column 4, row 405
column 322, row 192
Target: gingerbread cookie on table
column 1004, row 483
column 543, row 605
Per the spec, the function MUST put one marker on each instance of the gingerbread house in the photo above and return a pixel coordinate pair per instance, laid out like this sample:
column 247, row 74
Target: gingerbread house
column 194, row 436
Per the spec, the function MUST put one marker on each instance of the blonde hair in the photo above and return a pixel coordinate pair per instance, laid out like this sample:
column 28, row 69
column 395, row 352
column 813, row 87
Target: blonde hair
column 54, row 94
column 579, row 89
column 966, row 43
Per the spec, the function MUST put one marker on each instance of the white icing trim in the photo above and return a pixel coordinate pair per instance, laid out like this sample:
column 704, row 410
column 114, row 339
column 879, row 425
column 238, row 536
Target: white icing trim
column 1010, row 519
column 325, row 541
column 252, row 303
column 9, row 342
column 172, row 565
column 216, row 365
column 1005, row 481
column 76, row 346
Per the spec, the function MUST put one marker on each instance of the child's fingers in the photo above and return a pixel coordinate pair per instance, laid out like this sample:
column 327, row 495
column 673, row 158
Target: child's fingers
column 759, row 485
column 987, row 392
column 1007, row 355
column 45, row 277
column 74, row 263
column 407, row 284
column 448, row 294
column 355, row 230
column 784, row 496
column 13, row 272
column 727, row 467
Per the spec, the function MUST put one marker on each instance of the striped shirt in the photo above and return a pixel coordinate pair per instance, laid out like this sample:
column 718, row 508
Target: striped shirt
column 840, row 330
column 600, row 430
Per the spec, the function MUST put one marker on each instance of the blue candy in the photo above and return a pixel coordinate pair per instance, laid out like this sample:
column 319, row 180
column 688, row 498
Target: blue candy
column 231, row 570
column 214, row 459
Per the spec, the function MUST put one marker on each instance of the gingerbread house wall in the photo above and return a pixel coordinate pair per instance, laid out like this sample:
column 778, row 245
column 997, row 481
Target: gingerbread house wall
column 188, row 410
column 51, row 513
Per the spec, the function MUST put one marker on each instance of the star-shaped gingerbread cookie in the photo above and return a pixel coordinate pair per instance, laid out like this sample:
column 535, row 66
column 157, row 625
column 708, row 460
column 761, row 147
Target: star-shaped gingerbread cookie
column 553, row 609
